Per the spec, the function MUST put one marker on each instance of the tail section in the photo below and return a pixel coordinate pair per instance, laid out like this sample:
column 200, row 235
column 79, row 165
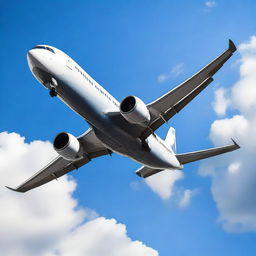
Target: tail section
column 198, row 155
column 170, row 140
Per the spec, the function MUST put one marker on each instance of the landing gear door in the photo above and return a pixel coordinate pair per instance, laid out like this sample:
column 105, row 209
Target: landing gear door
column 69, row 63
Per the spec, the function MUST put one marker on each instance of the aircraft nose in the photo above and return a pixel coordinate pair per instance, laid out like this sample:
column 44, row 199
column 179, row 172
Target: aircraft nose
column 32, row 58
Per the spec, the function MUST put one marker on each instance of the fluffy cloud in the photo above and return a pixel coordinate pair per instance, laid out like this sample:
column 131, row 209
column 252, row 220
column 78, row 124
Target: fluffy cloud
column 164, row 185
column 102, row 237
column 174, row 72
column 234, row 174
column 163, row 182
column 220, row 103
column 186, row 198
column 48, row 220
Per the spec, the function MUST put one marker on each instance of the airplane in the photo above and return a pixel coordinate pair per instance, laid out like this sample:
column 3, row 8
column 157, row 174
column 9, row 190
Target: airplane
column 127, row 128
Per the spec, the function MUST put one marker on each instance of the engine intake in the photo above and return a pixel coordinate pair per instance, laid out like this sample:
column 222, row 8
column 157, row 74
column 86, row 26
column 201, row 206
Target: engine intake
column 134, row 110
column 67, row 145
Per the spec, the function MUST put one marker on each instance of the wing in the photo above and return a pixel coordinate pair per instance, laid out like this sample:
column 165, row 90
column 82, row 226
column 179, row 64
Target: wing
column 198, row 155
column 59, row 166
column 168, row 105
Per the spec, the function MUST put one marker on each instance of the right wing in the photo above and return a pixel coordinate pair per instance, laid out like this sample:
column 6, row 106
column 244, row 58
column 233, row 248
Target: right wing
column 198, row 155
column 59, row 166
column 165, row 107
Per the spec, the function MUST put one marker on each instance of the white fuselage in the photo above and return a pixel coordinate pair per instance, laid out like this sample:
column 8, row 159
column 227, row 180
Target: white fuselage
column 53, row 68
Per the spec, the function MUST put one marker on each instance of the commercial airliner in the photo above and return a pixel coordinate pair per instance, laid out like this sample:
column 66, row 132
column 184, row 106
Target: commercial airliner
column 127, row 128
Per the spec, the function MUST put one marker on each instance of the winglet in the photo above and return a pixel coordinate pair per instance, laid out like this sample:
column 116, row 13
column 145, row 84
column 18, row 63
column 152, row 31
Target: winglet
column 237, row 146
column 231, row 46
column 15, row 190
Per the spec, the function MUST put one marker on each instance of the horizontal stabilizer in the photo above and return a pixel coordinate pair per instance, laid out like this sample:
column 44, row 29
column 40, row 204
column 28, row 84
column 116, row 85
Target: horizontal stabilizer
column 198, row 155
column 145, row 171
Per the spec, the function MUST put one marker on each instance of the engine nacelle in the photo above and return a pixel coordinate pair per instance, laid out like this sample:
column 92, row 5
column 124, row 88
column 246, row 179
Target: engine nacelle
column 134, row 110
column 67, row 145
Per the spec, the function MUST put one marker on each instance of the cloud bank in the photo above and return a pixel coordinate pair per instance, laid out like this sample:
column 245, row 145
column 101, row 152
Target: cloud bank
column 48, row 221
column 234, row 174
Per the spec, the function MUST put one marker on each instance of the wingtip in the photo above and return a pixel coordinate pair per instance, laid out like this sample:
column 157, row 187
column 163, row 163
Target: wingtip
column 231, row 46
column 237, row 146
column 13, row 189
column 10, row 188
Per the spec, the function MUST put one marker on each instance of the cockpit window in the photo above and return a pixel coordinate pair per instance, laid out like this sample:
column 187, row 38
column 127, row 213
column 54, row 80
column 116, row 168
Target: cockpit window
column 44, row 47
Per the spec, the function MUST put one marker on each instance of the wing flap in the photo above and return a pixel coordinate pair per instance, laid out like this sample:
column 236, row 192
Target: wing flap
column 199, row 155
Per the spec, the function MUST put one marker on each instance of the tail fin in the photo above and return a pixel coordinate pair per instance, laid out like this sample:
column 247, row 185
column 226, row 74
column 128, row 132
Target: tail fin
column 170, row 140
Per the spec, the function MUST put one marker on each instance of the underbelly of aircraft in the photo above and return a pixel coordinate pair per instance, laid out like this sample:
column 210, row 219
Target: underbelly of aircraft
column 116, row 138
column 132, row 148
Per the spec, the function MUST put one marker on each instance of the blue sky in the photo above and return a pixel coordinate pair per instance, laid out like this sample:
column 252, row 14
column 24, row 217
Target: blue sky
column 125, row 46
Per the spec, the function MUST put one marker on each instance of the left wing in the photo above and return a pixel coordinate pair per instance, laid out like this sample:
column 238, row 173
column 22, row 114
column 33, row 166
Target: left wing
column 92, row 148
column 171, row 103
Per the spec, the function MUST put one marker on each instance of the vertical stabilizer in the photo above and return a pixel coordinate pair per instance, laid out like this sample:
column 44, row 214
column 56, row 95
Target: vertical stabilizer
column 170, row 140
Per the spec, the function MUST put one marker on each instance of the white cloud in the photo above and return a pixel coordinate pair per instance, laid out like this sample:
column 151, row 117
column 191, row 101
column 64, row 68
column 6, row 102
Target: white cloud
column 210, row 4
column 221, row 102
column 248, row 48
column 244, row 91
column 234, row 167
column 236, row 127
column 163, row 182
column 48, row 221
column 102, row 237
column 186, row 198
column 162, row 78
column 234, row 174
column 174, row 72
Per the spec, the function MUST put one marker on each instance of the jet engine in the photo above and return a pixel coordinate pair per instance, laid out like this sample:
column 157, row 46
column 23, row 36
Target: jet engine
column 134, row 110
column 67, row 145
